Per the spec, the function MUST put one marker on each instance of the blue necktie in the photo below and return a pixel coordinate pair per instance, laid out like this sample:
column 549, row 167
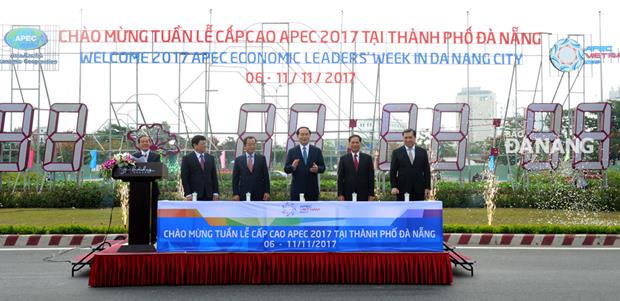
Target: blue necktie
column 305, row 154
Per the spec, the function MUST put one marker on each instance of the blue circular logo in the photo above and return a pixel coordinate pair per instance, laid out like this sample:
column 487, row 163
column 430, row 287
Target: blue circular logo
column 566, row 55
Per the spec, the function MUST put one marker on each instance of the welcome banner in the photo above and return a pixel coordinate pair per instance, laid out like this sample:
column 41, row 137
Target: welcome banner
column 300, row 226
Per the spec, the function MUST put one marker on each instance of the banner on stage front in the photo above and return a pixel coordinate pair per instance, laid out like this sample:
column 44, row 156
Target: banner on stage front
column 300, row 226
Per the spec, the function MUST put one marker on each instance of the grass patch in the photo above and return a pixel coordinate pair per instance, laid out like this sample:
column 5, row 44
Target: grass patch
column 61, row 229
column 59, row 216
column 521, row 216
column 456, row 220
column 532, row 229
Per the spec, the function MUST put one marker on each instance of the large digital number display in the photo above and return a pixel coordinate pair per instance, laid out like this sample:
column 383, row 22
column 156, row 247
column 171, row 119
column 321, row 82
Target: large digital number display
column 387, row 134
column 22, row 137
column 580, row 134
column 265, row 136
column 54, row 137
column 532, row 134
column 440, row 135
column 317, row 134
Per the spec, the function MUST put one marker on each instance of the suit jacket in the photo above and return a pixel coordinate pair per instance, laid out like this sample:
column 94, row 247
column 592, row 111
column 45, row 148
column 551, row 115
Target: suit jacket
column 255, row 182
column 153, row 157
column 407, row 177
column 203, row 182
column 361, row 181
column 303, row 180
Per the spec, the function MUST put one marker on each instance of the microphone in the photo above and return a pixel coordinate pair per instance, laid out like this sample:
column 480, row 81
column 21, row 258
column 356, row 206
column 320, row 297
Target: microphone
column 140, row 157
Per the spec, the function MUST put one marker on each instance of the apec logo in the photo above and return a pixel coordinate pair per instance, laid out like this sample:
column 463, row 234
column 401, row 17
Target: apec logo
column 599, row 54
column 289, row 209
column 566, row 55
column 25, row 38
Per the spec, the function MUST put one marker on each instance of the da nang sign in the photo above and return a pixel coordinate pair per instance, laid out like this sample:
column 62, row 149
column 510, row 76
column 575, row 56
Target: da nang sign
column 548, row 140
column 25, row 38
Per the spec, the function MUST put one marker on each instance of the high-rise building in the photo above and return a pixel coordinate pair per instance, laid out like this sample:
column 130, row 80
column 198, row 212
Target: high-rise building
column 482, row 110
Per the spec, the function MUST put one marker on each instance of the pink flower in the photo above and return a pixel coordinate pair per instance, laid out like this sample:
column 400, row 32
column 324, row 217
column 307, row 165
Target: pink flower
column 109, row 164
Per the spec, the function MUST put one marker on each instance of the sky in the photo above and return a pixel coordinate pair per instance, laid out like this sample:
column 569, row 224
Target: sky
column 159, row 86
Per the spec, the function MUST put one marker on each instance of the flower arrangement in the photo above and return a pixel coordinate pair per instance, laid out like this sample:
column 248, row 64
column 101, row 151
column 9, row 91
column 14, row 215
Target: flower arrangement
column 122, row 160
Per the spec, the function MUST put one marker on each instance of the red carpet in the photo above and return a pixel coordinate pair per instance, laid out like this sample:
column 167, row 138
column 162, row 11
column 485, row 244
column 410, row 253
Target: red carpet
column 110, row 268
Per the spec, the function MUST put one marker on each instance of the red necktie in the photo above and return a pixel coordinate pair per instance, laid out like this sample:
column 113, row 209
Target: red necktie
column 355, row 162
column 250, row 163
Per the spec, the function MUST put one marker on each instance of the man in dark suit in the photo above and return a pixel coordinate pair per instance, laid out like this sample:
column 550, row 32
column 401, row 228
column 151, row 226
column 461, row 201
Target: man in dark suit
column 356, row 173
column 250, row 174
column 305, row 162
column 198, row 172
column 410, row 171
column 144, row 143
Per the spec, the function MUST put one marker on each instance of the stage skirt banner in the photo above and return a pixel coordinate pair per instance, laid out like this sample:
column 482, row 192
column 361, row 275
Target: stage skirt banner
column 331, row 226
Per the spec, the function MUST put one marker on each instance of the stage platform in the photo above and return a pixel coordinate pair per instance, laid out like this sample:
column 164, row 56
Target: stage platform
column 111, row 268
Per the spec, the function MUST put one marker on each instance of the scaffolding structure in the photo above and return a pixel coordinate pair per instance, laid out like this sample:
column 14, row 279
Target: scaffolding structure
column 129, row 113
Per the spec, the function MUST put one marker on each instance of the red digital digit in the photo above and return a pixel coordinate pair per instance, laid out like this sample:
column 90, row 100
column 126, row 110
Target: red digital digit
column 22, row 137
column 542, row 137
column 601, row 134
column 54, row 137
column 264, row 136
column 387, row 135
column 317, row 134
column 459, row 136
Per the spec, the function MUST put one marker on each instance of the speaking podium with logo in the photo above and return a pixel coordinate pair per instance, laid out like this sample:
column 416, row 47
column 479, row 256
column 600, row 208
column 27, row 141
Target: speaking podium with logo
column 140, row 178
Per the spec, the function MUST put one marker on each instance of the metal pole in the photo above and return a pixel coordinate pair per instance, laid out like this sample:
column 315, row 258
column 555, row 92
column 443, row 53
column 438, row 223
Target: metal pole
column 179, row 91
column 468, row 157
column 570, row 118
column 80, row 66
column 352, row 98
column 374, row 110
column 339, row 88
column 494, row 145
column 542, row 96
column 79, row 173
column 516, row 93
column 208, row 87
column 110, row 110
column 137, row 96
column 600, row 43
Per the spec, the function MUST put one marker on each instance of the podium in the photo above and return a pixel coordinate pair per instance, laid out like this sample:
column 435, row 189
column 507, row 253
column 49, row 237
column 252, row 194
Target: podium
column 140, row 178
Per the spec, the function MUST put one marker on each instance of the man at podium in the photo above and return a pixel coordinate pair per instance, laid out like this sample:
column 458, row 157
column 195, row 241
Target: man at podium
column 145, row 153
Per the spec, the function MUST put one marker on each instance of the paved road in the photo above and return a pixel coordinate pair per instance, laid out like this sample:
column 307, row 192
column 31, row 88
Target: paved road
column 501, row 274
